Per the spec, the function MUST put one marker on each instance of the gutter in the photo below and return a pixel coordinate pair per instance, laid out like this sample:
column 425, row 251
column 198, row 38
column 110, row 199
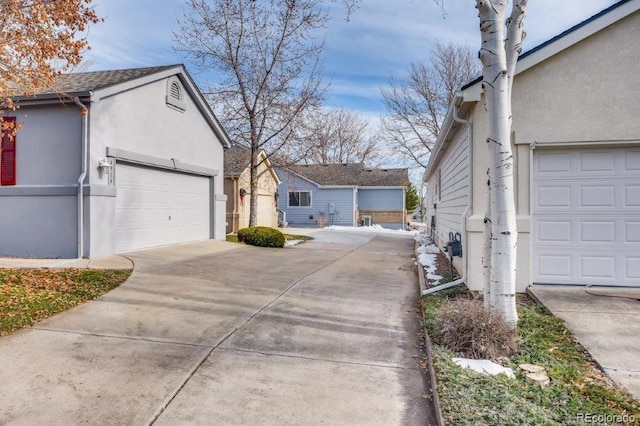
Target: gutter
column 85, row 136
column 467, row 212
column 444, row 130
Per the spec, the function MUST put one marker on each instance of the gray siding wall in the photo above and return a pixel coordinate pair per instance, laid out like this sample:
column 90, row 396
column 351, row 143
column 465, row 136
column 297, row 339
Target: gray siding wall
column 380, row 199
column 320, row 199
column 40, row 211
column 454, row 197
column 139, row 120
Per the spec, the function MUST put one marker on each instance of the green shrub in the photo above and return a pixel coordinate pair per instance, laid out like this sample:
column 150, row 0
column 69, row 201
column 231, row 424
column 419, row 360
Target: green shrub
column 261, row 236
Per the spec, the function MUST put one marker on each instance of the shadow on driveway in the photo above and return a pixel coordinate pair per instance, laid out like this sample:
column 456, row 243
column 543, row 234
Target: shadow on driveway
column 326, row 332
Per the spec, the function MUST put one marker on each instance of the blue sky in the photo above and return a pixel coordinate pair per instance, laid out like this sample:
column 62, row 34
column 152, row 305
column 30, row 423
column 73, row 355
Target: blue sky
column 382, row 38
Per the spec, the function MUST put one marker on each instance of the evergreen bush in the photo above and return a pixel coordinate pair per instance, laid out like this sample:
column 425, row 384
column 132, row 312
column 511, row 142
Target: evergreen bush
column 261, row 236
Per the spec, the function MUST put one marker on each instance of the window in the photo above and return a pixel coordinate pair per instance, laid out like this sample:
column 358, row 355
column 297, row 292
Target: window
column 439, row 185
column 299, row 199
column 8, row 154
column 175, row 94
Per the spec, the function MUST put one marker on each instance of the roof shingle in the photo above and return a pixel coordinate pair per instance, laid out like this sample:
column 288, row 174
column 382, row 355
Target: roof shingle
column 384, row 177
column 94, row 80
column 236, row 161
column 330, row 174
column 351, row 174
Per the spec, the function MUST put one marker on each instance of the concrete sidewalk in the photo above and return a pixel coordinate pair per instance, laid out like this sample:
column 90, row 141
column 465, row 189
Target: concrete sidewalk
column 608, row 327
column 108, row 262
column 174, row 252
column 325, row 332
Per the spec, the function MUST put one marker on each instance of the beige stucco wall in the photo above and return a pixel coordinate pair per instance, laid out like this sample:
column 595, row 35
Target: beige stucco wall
column 267, row 212
column 584, row 95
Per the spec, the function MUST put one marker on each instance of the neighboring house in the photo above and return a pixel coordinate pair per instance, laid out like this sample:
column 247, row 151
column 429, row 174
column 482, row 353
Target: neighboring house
column 237, row 188
column 140, row 167
column 576, row 138
column 342, row 194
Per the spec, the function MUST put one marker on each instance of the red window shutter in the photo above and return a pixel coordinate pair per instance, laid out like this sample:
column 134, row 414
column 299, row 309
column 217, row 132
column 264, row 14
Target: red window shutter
column 8, row 154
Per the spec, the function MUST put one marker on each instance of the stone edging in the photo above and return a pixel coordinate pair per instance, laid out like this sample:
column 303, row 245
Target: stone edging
column 427, row 345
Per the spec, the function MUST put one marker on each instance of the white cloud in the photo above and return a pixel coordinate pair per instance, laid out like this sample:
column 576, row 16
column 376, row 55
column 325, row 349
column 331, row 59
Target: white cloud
column 382, row 38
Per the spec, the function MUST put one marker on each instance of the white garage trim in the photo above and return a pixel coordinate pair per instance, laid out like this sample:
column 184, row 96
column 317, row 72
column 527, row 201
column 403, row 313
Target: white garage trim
column 157, row 162
column 586, row 216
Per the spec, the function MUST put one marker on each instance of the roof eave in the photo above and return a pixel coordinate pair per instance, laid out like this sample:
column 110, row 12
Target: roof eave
column 443, row 136
column 51, row 97
column 272, row 170
column 299, row 175
column 572, row 36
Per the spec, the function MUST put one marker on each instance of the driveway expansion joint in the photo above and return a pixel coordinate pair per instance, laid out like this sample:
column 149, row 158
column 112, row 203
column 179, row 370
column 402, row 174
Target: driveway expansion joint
column 334, row 361
column 232, row 332
column 116, row 336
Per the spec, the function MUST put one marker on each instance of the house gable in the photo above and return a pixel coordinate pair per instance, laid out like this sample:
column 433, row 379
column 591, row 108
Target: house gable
column 138, row 150
column 344, row 187
column 329, row 204
column 574, row 93
column 238, row 189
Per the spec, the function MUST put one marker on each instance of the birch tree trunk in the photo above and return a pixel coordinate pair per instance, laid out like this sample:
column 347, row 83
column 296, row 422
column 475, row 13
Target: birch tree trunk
column 486, row 255
column 499, row 55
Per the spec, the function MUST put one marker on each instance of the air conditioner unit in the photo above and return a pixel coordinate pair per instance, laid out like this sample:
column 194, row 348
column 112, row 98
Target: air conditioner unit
column 366, row 220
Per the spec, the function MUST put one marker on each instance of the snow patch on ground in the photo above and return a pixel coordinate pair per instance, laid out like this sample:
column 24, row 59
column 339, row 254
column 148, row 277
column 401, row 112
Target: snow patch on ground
column 427, row 255
column 372, row 228
column 484, row 366
column 291, row 243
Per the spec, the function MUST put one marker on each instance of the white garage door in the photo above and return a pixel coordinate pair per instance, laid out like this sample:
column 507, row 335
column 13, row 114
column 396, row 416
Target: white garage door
column 266, row 211
column 586, row 216
column 156, row 207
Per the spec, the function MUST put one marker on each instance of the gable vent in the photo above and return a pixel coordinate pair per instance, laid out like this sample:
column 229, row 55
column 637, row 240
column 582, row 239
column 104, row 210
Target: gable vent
column 175, row 95
column 174, row 91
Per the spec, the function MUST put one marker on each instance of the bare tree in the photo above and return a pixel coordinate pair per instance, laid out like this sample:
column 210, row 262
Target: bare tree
column 502, row 37
column 416, row 106
column 330, row 136
column 268, row 56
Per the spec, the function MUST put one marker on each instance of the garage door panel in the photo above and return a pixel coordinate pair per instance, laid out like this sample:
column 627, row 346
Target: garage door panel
column 598, row 196
column 553, row 266
column 597, row 232
column 554, row 231
column 632, row 232
column 601, row 266
column 586, row 216
column 632, row 161
column 553, row 163
column 597, row 161
column 632, row 196
column 632, row 268
column 156, row 207
column 554, row 196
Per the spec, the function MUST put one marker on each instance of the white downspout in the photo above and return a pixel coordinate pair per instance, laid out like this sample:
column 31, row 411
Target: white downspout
column 404, row 208
column 85, row 115
column 355, row 206
column 465, row 214
column 236, row 211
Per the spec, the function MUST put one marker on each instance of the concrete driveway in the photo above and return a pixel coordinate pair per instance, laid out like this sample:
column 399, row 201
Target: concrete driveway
column 217, row 333
column 606, row 321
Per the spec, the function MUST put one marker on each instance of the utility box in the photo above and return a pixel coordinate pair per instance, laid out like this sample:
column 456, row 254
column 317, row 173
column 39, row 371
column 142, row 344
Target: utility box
column 454, row 245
